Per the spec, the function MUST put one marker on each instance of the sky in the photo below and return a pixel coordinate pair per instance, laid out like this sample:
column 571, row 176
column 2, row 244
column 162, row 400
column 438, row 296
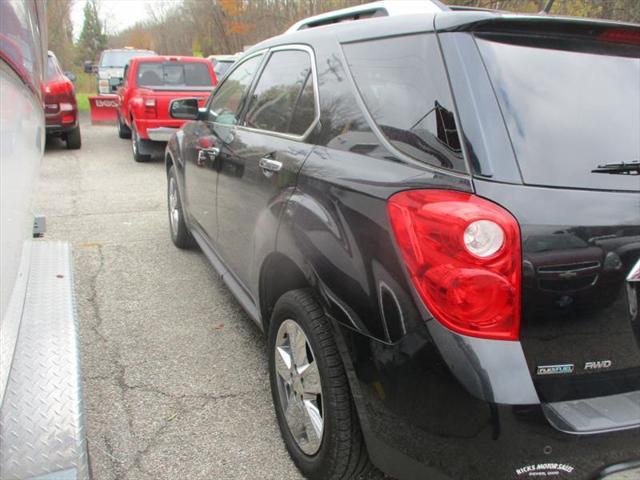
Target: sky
column 119, row 14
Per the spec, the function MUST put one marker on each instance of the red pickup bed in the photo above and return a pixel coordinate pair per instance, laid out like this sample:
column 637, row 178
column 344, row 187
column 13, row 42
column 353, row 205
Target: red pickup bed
column 149, row 86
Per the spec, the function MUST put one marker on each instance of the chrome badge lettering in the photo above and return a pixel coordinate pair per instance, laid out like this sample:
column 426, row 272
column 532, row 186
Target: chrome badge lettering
column 599, row 365
column 555, row 369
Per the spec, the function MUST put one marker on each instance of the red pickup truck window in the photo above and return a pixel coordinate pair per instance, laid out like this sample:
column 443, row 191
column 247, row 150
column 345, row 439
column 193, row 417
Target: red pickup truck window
column 171, row 74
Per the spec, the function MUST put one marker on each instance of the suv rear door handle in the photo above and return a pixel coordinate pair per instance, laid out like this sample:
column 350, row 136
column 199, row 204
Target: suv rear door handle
column 269, row 166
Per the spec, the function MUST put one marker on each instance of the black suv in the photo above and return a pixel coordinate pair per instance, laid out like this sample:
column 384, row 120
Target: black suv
column 435, row 219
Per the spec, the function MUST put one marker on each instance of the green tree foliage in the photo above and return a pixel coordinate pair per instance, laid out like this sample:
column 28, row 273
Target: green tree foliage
column 221, row 26
column 60, row 31
column 92, row 38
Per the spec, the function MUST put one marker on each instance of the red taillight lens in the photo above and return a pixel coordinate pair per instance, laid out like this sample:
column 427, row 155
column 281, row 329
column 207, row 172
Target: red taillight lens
column 59, row 91
column 463, row 255
column 150, row 106
column 69, row 117
column 620, row 35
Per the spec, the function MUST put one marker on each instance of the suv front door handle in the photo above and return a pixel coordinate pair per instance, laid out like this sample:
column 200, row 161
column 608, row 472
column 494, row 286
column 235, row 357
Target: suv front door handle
column 269, row 166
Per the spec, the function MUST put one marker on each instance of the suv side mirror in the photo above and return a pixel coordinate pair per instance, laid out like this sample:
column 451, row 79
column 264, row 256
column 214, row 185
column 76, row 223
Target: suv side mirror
column 184, row 109
column 71, row 76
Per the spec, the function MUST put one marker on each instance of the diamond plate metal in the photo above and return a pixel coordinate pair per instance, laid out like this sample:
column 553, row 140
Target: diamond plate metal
column 41, row 418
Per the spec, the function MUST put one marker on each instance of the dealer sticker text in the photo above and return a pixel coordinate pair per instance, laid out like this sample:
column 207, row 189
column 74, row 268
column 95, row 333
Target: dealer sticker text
column 544, row 470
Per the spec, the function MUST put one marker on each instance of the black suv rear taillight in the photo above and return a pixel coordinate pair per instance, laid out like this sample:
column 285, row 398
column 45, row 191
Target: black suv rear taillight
column 463, row 255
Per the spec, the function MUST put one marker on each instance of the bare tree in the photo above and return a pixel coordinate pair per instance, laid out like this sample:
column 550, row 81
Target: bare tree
column 227, row 26
column 60, row 30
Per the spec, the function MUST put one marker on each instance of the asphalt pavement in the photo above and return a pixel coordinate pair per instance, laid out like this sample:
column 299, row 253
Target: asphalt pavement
column 174, row 373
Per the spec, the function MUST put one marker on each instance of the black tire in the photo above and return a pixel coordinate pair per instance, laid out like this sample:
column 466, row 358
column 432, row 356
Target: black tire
column 342, row 453
column 135, row 146
column 180, row 234
column 123, row 130
column 73, row 138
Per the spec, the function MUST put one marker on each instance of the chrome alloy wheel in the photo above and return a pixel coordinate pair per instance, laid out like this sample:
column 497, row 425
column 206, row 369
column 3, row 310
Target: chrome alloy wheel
column 174, row 212
column 299, row 386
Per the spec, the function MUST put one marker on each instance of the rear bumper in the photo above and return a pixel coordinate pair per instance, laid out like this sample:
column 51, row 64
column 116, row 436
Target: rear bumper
column 60, row 129
column 623, row 471
column 394, row 461
column 55, row 125
column 420, row 421
column 41, row 418
column 161, row 134
column 158, row 130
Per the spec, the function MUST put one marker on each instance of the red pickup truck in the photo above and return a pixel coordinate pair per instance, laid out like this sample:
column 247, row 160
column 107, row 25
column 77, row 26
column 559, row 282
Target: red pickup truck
column 149, row 86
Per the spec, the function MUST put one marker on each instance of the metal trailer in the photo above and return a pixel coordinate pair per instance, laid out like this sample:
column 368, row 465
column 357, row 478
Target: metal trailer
column 42, row 433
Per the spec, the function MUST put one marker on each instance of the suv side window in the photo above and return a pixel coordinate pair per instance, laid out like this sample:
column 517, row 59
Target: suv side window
column 403, row 83
column 284, row 100
column 228, row 98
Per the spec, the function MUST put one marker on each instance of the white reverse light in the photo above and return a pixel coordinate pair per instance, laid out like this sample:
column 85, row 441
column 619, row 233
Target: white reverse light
column 483, row 238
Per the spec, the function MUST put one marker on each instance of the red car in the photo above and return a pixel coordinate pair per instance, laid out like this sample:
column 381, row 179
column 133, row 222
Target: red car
column 149, row 86
column 60, row 106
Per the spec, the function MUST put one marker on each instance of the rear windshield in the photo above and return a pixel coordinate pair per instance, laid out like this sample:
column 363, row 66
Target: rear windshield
column 173, row 74
column 569, row 107
column 53, row 70
column 121, row 58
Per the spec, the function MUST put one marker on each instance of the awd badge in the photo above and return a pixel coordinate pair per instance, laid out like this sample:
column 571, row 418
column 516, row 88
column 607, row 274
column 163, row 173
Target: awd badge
column 555, row 369
column 599, row 365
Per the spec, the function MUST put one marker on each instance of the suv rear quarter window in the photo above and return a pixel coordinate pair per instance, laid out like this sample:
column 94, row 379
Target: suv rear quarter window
column 403, row 84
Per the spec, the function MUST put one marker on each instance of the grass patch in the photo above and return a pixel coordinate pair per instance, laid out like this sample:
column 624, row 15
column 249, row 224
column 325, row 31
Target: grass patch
column 85, row 82
column 83, row 101
column 85, row 85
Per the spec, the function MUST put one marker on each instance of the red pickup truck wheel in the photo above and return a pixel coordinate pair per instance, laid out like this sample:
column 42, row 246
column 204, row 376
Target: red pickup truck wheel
column 135, row 145
column 123, row 130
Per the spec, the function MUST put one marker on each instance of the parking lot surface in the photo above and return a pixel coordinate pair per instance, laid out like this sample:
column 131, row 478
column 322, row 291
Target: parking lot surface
column 174, row 372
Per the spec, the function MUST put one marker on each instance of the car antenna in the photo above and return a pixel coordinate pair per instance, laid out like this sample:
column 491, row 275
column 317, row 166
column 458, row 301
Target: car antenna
column 547, row 8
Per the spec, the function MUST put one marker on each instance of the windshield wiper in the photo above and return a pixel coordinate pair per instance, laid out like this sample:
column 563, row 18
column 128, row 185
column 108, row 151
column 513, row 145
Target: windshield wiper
column 622, row 168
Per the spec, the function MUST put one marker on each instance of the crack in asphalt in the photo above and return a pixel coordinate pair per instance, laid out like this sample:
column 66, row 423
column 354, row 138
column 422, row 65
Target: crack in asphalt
column 122, row 467
column 93, row 297
column 113, row 460
column 113, row 356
